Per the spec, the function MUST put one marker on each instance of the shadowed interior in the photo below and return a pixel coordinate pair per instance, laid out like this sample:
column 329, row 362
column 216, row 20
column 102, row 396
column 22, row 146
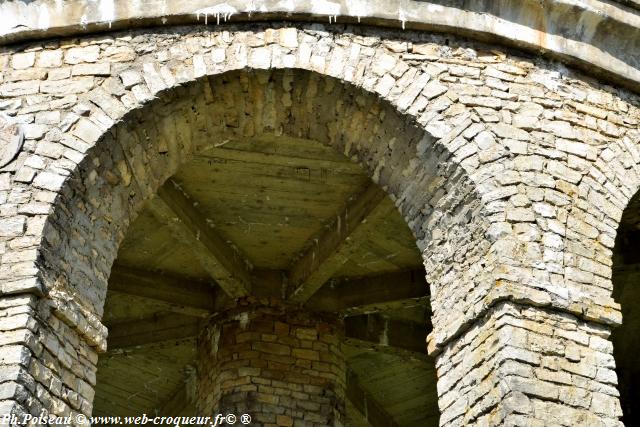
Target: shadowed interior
column 270, row 198
column 626, row 291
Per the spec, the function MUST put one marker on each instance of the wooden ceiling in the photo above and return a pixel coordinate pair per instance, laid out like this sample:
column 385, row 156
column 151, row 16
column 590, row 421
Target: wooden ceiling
column 269, row 208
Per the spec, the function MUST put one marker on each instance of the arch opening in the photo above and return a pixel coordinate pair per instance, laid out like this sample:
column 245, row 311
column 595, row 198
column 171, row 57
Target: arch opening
column 626, row 338
column 270, row 198
column 166, row 149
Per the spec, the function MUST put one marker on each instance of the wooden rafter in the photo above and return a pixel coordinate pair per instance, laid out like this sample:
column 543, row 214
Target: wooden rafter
column 183, row 295
column 370, row 409
column 387, row 335
column 326, row 253
column 179, row 403
column 223, row 262
column 151, row 331
column 373, row 293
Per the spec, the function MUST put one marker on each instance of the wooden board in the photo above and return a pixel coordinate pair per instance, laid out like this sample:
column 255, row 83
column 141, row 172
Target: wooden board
column 407, row 392
column 136, row 382
column 268, row 197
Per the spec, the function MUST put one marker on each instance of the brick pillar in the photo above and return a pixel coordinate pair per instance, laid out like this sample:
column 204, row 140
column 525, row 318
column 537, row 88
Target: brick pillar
column 281, row 365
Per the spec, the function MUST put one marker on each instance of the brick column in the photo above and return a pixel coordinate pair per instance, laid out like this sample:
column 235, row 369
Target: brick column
column 280, row 364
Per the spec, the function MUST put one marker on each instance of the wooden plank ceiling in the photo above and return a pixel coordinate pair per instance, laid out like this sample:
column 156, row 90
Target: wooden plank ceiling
column 236, row 220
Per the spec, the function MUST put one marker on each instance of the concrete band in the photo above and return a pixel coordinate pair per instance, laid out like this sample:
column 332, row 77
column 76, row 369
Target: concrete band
column 597, row 36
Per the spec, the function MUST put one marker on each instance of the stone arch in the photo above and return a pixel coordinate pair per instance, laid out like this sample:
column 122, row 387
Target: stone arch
column 467, row 210
column 626, row 338
column 618, row 178
column 603, row 226
column 139, row 153
column 134, row 157
column 451, row 202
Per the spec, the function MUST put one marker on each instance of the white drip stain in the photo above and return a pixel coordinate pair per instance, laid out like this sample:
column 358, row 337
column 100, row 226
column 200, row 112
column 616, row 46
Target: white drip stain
column 358, row 8
column 107, row 11
column 224, row 10
column 402, row 17
column 43, row 17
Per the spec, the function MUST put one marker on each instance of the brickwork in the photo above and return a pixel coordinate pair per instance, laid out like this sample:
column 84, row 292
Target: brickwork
column 511, row 171
column 280, row 364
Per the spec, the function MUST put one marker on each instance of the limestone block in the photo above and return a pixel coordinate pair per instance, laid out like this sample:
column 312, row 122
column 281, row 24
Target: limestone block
column 67, row 86
column 20, row 61
column 97, row 69
column 76, row 55
column 49, row 181
column 12, row 226
column 28, row 87
column 49, row 59
column 87, row 131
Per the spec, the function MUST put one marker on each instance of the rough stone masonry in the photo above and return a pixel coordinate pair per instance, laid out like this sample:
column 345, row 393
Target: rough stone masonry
column 511, row 169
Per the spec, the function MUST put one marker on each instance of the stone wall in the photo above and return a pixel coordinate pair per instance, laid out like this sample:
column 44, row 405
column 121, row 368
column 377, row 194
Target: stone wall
column 512, row 172
column 545, row 367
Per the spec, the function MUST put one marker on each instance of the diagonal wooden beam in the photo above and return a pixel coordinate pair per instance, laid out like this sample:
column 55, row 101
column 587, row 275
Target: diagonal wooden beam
column 183, row 295
column 371, row 294
column 151, row 331
column 223, row 262
column 326, row 253
column 371, row 410
column 179, row 404
column 387, row 335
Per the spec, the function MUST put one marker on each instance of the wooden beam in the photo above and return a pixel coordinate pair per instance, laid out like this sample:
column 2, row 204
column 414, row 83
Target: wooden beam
column 184, row 295
column 326, row 253
column 372, row 293
column 179, row 404
column 383, row 334
column 151, row 331
column 371, row 410
column 222, row 261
